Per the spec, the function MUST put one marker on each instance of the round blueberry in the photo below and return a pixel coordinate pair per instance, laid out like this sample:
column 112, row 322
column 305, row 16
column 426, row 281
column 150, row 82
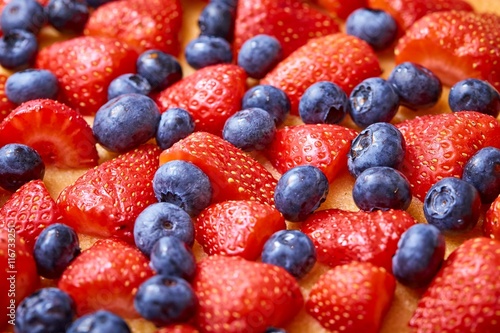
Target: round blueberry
column 230, row 3
column 259, row 54
column 183, row 184
column 172, row 257
column 483, row 171
column 376, row 27
column 128, row 84
column 28, row 15
column 300, row 191
column 207, row 50
column 269, row 98
column 175, row 124
column 101, row 321
column 159, row 68
column 31, row 84
column 18, row 49
column 250, row 129
column 420, row 253
column 68, row 15
column 97, row 3
column 125, row 122
column 19, row 164
column 216, row 19
column 474, row 95
column 452, row 204
column 323, row 103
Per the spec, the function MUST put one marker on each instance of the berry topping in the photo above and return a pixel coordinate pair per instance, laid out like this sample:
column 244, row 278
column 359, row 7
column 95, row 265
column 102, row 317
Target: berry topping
column 128, row 84
column 259, row 54
column 19, row 164
column 482, row 171
column 217, row 19
column 376, row 27
column 205, row 51
column 28, row 15
column 101, row 321
column 491, row 223
column 269, row 98
column 474, row 95
column 175, row 124
column 18, row 49
column 170, row 256
column 31, row 84
column 68, row 15
column 323, row 103
column 159, row 68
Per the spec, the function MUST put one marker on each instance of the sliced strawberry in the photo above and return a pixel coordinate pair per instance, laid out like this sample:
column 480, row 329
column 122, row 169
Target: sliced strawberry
column 464, row 296
column 491, row 224
column 353, row 298
column 106, row 276
column 438, row 146
column 6, row 106
column 106, row 200
column 340, row 58
column 179, row 328
column 342, row 8
column 234, row 174
column 323, row 145
column 58, row 133
column 236, row 295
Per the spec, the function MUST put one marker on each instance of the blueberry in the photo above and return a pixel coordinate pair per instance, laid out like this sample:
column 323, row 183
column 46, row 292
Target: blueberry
column 483, row 171
column 373, row 100
column 380, row 144
column 97, row 3
column 291, row 249
column 46, row 310
column 183, row 184
column 417, row 86
column 300, row 191
column 159, row 220
column 420, row 253
column 125, row 122
column 19, row 164
column 452, row 204
column 376, row 27
column 31, row 84
column 159, row 68
column 269, row 98
column 172, row 257
column 18, row 49
column 216, row 19
column 259, row 54
column 175, row 124
column 474, row 95
column 101, row 321
column 250, row 129
column 128, row 84
column 206, row 51
column 323, row 103
column 55, row 248
column 68, row 15
column 165, row 300
column 28, row 15
column 230, row 3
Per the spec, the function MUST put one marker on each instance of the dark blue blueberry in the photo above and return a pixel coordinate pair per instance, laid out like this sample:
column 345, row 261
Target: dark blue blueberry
column 300, row 191
column 159, row 220
column 207, row 51
column 376, row 27
column 291, row 249
column 46, row 310
column 250, row 129
column 452, row 204
column 417, row 87
column 323, row 103
column 419, row 255
column 259, row 54
column 483, row 171
column 31, row 84
column 381, row 188
column 101, row 321
column 159, row 68
column 128, row 84
column 18, row 49
column 230, row 3
column 380, row 144
column 165, row 300
column 28, row 15
column 269, row 98
column 183, row 184
column 474, row 95
column 172, row 257
column 125, row 122
column 97, row 3
column 68, row 15
column 373, row 100
column 19, row 164
column 175, row 124
column 55, row 248
column 217, row 19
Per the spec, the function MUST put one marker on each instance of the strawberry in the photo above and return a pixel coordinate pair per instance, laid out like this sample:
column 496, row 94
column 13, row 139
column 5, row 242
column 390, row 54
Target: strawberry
column 58, row 133
column 340, row 58
column 438, row 146
column 353, row 298
column 341, row 8
column 106, row 200
column 322, row 145
column 211, row 95
column 455, row 46
column 343, row 236
column 110, row 271
column 85, row 66
column 236, row 295
column 6, row 106
column 237, row 228
column 144, row 25
column 234, row 174
column 464, row 296
column 491, row 224
column 179, row 328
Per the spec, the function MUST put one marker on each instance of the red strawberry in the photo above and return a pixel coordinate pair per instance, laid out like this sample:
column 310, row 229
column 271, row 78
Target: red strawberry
column 455, row 46
column 342, row 8
column 234, row 174
column 339, row 58
column 343, row 236
column 292, row 22
column 491, row 224
column 322, row 145
column 58, row 133
column 152, row 24
column 237, row 228
column 85, row 66
column 106, row 276
column 211, row 95
column 353, row 298
column 236, row 295
column 6, row 106
column 464, row 296
column 438, row 146
column 179, row 328
column 106, row 200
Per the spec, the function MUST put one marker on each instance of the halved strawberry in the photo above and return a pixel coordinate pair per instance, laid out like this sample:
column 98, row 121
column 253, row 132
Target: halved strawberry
column 6, row 106
column 491, row 224
column 58, row 133
column 179, row 328
column 342, row 8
